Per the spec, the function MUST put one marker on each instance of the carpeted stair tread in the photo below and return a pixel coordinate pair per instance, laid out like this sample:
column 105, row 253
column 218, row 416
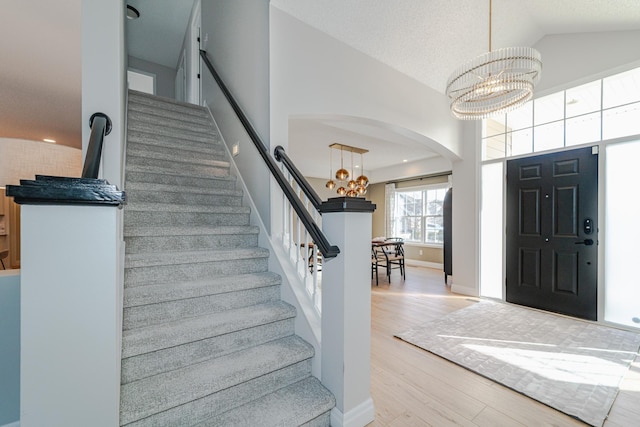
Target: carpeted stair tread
column 180, row 179
column 162, row 131
column 151, row 294
column 151, row 231
column 161, row 103
column 148, row 396
column 185, row 198
column 165, row 121
column 148, row 151
column 210, row 151
column 146, row 164
column 210, row 144
column 168, row 359
column 192, row 257
column 170, row 334
column 180, row 238
column 294, row 405
column 158, row 187
column 161, row 207
column 141, row 111
column 169, row 311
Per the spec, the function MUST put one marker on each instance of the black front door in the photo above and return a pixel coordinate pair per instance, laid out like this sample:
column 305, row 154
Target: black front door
column 552, row 232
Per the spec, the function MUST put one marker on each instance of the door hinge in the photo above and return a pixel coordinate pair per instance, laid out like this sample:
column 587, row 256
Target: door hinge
column 198, row 75
column 198, row 39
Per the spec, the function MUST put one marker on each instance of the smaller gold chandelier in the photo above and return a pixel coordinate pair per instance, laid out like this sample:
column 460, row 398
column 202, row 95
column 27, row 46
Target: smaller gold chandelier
column 354, row 187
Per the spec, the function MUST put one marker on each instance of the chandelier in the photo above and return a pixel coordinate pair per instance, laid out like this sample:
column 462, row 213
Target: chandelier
column 347, row 187
column 495, row 82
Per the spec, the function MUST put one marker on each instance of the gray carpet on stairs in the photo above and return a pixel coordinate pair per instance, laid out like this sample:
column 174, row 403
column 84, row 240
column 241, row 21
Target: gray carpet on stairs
column 206, row 339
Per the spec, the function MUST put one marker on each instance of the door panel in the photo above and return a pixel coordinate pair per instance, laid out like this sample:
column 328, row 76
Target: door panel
column 551, row 252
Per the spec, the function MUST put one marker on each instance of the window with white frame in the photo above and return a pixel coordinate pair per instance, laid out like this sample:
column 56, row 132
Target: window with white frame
column 603, row 109
column 416, row 215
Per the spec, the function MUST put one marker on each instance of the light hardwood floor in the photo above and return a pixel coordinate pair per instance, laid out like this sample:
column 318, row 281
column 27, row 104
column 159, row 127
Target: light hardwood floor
column 412, row 387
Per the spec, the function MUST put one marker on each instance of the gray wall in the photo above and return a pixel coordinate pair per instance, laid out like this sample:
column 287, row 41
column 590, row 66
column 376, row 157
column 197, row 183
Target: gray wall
column 165, row 76
column 235, row 35
column 9, row 347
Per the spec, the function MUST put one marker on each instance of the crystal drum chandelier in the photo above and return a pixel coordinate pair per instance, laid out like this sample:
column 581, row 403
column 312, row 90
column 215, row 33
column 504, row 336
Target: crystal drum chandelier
column 495, row 82
column 353, row 187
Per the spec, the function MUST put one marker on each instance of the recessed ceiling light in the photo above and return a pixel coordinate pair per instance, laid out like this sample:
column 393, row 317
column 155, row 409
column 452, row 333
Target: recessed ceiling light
column 357, row 166
column 49, row 140
column 405, row 160
column 132, row 12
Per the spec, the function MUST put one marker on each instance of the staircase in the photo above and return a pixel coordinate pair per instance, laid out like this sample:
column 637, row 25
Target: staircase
column 206, row 339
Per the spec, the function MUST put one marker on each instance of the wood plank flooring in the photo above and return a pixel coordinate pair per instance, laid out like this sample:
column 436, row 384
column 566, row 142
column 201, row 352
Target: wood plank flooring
column 412, row 387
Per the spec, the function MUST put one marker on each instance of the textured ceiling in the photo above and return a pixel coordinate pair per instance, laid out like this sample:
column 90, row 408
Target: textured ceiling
column 428, row 39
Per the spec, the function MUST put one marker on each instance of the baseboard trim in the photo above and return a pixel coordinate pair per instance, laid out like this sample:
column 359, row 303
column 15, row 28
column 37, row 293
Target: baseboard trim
column 464, row 290
column 359, row 416
column 13, row 424
column 428, row 264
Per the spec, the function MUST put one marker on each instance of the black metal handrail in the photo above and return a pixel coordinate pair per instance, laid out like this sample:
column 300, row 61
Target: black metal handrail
column 304, row 185
column 326, row 249
column 100, row 125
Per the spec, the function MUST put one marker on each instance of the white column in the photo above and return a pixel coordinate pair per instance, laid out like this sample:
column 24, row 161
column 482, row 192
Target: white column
column 346, row 314
column 70, row 316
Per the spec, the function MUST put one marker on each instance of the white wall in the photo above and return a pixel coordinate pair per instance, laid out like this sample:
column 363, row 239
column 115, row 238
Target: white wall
column 577, row 58
column 104, row 80
column 23, row 159
column 237, row 43
column 314, row 74
column 165, row 76
column 70, row 317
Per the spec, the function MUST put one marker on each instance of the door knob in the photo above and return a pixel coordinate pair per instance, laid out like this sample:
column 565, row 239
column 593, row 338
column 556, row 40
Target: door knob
column 586, row 242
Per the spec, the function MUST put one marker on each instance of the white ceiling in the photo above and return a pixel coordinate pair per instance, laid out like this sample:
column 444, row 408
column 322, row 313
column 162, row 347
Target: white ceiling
column 40, row 79
column 428, row 39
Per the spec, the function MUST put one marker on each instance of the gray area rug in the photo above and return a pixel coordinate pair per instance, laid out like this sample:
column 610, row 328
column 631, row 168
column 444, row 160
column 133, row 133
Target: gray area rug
column 571, row 365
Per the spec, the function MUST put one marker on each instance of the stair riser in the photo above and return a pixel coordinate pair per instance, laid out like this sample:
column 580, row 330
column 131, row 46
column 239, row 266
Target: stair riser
column 168, row 166
column 175, row 357
column 143, row 196
column 168, row 123
column 162, row 131
column 133, row 218
column 212, row 142
column 201, row 409
column 176, row 273
column 180, row 180
column 153, row 314
column 215, row 152
column 140, row 110
column 184, row 243
column 323, row 420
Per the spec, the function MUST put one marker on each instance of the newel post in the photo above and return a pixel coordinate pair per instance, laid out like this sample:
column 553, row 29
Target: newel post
column 70, row 301
column 346, row 310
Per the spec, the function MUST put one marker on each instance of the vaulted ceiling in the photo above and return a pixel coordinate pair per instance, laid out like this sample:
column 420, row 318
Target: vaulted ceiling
column 40, row 43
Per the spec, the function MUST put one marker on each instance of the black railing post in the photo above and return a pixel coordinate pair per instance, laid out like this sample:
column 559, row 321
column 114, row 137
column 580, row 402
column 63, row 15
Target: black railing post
column 100, row 125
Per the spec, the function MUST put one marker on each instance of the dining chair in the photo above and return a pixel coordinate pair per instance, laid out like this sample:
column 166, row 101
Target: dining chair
column 394, row 253
column 378, row 259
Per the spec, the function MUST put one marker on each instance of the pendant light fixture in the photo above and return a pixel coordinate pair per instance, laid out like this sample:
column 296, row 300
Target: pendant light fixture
column 495, row 82
column 342, row 174
column 353, row 187
column 331, row 184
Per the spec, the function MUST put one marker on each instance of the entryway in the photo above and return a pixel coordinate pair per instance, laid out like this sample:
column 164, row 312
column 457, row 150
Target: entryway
column 552, row 232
